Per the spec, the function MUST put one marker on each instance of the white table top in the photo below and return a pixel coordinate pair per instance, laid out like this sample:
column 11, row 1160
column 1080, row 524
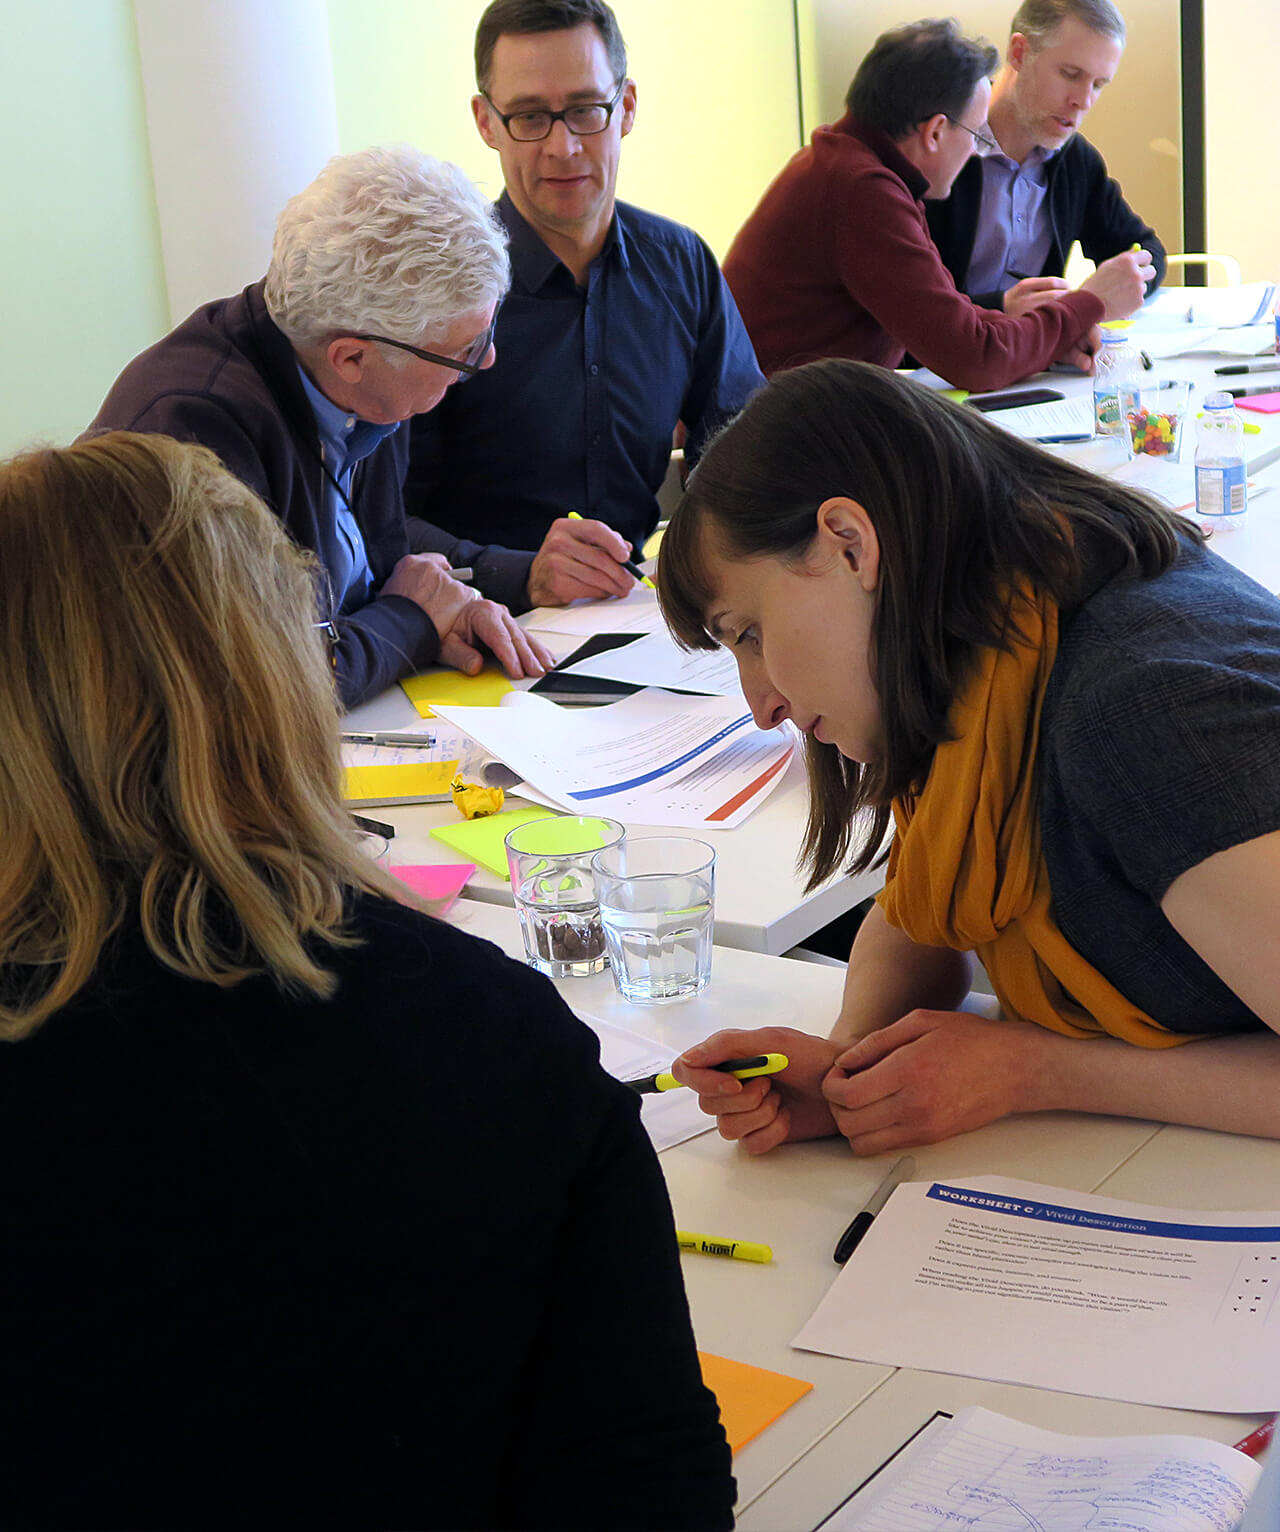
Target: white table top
column 799, row 1199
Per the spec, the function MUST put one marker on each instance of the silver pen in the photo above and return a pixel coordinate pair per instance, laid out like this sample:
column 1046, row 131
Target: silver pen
column 389, row 737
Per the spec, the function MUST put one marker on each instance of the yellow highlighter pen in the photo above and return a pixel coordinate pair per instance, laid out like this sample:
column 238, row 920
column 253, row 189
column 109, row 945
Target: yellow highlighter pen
column 743, row 1069
column 735, row 1249
column 632, row 568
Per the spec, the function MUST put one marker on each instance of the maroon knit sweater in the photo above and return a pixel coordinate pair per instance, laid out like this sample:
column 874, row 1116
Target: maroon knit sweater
column 837, row 260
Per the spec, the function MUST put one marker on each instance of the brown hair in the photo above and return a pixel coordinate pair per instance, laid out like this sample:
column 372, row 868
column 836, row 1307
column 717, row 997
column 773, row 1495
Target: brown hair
column 169, row 725
column 961, row 509
column 520, row 18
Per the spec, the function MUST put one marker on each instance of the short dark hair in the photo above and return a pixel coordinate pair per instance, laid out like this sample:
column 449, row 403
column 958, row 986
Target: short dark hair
column 523, row 17
column 961, row 509
column 914, row 72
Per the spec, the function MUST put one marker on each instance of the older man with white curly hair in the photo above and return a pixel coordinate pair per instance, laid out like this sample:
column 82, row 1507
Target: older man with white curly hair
column 385, row 276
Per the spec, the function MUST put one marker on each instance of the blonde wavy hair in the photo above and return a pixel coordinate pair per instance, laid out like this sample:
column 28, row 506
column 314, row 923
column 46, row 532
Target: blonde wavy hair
column 169, row 729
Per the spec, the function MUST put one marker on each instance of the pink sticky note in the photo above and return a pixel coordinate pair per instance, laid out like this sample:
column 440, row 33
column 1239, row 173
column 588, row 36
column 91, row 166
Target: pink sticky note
column 441, row 881
column 1265, row 404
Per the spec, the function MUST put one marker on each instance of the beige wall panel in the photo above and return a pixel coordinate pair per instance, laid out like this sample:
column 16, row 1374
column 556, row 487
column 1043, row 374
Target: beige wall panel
column 1242, row 147
column 716, row 87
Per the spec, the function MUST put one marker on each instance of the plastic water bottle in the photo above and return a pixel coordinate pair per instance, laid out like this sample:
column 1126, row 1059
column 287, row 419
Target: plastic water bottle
column 1220, row 483
column 1277, row 319
column 1116, row 371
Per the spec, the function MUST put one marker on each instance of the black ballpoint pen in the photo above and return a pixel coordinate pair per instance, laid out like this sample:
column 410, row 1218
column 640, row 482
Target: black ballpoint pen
column 901, row 1170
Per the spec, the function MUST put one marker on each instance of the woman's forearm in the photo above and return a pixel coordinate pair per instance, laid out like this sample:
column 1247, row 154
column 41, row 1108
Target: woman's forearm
column 890, row 976
column 1231, row 1084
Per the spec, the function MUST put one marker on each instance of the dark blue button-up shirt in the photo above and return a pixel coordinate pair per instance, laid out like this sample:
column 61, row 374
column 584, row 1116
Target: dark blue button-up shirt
column 577, row 412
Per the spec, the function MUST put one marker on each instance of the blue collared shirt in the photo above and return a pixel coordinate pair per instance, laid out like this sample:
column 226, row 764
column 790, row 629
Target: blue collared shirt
column 1014, row 234
column 578, row 410
column 344, row 440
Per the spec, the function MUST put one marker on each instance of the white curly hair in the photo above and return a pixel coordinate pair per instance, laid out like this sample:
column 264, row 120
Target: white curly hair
column 388, row 241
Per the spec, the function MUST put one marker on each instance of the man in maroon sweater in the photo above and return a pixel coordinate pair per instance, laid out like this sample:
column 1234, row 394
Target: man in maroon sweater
column 837, row 260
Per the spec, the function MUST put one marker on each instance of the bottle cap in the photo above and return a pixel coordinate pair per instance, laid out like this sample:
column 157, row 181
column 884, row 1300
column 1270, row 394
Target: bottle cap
column 1219, row 401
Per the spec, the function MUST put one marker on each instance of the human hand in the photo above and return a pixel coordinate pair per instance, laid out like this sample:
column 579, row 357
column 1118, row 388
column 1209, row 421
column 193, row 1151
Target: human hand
column 488, row 623
column 579, row 558
column 1121, row 283
column 425, row 579
column 1084, row 351
column 771, row 1109
column 1030, row 293
column 931, row 1075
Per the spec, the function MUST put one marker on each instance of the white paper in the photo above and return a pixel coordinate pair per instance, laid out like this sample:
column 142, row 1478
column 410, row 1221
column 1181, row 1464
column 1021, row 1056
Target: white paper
column 1031, row 1284
column 657, row 660
column 671, row 1116
column 636, row 612
column 1220, row 307
column 983, row 1470
column 1056, row 417
column 450, row 745
column 652, row 758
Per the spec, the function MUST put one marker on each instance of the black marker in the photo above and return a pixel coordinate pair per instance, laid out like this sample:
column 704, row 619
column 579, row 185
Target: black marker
column 901, row 1170
column 1240, row 367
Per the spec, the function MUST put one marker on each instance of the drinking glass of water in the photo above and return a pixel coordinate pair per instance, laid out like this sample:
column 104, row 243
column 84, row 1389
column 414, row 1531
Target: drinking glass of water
column 554, row 888
column 657, row 898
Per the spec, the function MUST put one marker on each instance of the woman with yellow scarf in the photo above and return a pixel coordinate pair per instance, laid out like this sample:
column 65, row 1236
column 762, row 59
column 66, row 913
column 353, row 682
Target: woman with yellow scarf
column 1068, row 711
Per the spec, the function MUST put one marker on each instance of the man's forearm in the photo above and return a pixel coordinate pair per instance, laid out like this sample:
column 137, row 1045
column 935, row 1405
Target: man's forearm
column 890, row 975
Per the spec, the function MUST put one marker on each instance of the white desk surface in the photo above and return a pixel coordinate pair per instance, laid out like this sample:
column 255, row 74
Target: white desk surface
column 799, row 1199
column 761, row 904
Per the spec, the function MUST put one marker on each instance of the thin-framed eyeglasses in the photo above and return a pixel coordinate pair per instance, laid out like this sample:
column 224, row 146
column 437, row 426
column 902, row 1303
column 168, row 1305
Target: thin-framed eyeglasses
column 584, row 119
column 983, row 142
column 468, row 364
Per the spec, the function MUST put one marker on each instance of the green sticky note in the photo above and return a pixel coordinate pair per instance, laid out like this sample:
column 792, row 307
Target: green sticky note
column 565, row 836
column 481, row 840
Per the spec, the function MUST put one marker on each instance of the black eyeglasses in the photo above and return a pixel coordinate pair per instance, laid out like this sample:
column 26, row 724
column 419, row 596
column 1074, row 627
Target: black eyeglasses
column 468, row 364
column 985, row 145
column 583, row 120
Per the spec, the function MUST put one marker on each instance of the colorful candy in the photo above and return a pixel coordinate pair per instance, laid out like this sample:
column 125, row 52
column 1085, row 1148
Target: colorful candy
column 1153, row 432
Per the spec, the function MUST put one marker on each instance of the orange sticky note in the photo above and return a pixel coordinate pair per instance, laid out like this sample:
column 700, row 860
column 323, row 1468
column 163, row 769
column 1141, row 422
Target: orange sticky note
column 750, row 1398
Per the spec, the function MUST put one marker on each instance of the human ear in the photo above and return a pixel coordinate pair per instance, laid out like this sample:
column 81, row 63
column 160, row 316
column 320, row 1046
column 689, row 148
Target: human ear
column 484, row 121
column 347, row 356
column 846, row 532
column 1019, row 47
column 628, row 107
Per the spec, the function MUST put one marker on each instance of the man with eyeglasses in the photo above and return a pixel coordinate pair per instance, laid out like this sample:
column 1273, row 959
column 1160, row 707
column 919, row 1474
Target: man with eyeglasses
column 617, row 329
column 837, row 259
column 1006, row 229
column 369, row 314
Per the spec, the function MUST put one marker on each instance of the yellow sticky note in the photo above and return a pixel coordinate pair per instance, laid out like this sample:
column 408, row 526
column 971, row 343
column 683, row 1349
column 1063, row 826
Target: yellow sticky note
column 406, row 782
column 481, row 840
column 750, row 1398
column 485, row 690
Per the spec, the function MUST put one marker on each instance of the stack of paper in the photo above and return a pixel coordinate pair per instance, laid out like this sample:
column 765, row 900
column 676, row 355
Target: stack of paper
column 653, row 758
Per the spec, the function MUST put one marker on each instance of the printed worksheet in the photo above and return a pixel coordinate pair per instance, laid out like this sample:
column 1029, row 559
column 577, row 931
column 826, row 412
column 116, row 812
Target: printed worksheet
column 1032, row 1284
column 636, row 612
column 983, row 1472
column 653, row 758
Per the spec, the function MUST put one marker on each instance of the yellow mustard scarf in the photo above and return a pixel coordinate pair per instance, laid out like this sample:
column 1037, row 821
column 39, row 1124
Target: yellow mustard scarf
column 965, row 870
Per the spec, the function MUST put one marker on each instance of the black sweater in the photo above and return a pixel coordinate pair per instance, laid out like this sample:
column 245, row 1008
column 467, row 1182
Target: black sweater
column 403, row 1258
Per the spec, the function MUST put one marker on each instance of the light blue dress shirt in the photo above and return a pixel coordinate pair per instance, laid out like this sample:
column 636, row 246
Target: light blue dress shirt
column 344, row 440
column 1014, row 234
